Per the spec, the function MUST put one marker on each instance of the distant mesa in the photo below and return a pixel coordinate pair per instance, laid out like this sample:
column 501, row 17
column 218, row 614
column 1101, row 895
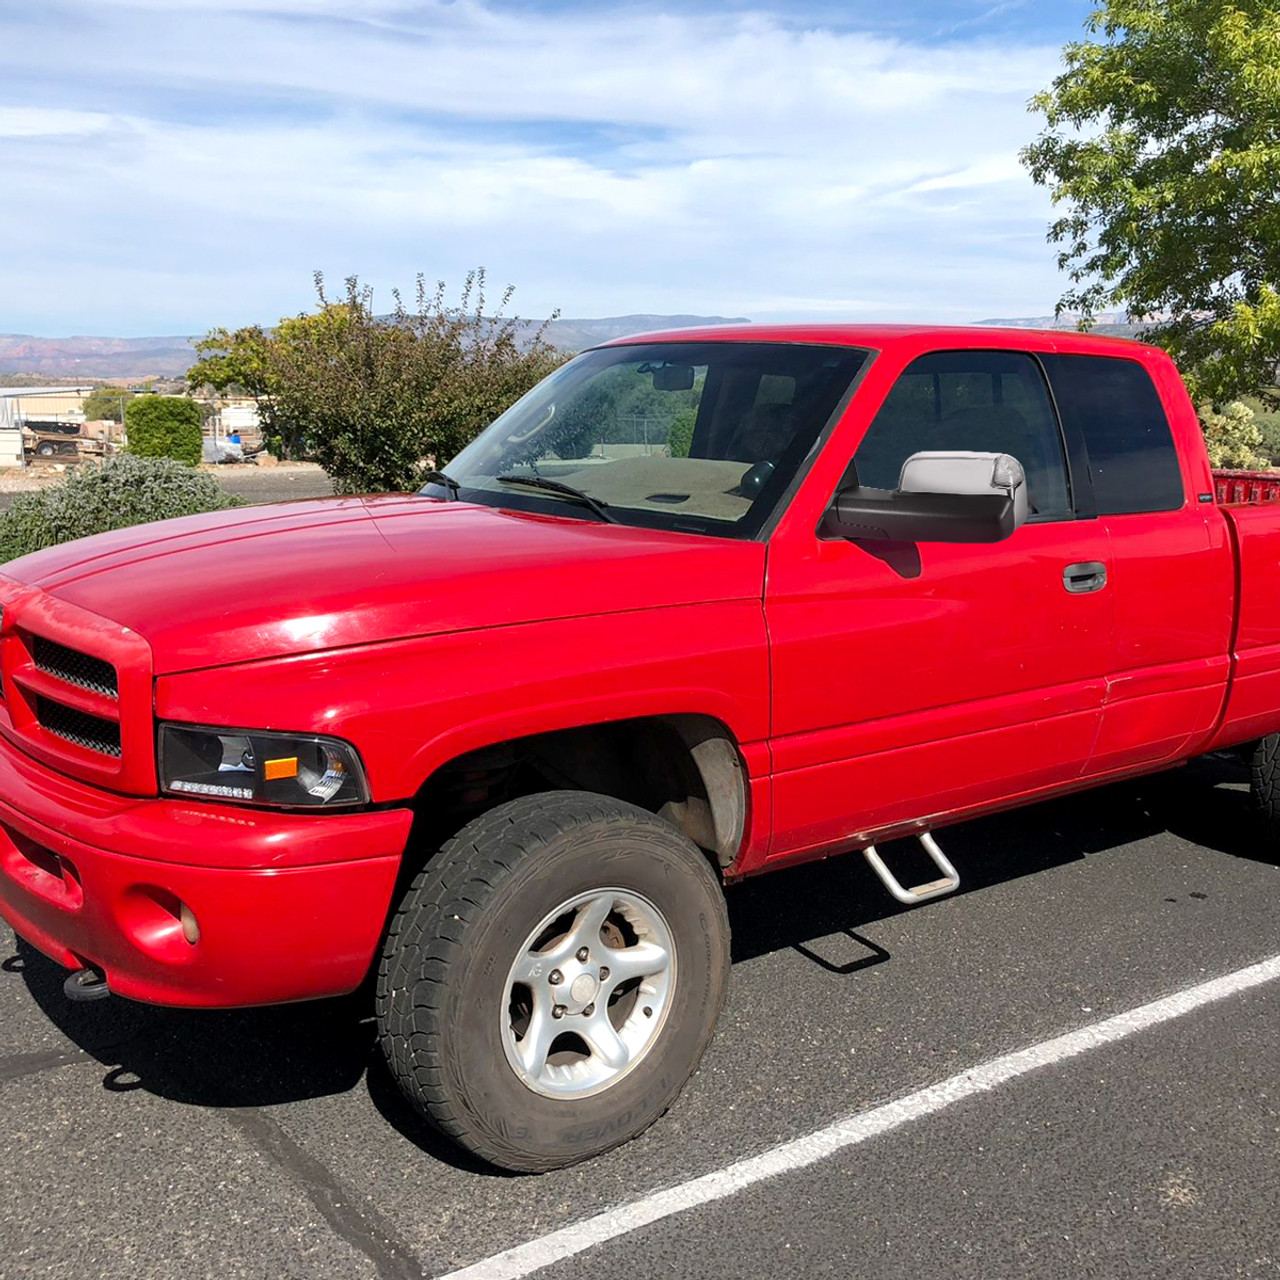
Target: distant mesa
column 171, row 356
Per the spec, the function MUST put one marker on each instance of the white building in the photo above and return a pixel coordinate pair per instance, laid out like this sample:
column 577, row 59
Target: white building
column 238, row 416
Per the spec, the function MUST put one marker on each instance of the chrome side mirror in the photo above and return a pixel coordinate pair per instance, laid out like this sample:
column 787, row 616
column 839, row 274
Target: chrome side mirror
column 941, row 497
column 968, row 473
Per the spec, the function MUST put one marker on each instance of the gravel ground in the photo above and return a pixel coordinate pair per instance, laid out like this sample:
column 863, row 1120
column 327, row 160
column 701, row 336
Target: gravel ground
column 253, row 483
column 274, row 484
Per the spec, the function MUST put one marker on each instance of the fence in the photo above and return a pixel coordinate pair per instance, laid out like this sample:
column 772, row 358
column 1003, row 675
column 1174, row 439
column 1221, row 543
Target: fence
column 647, row 431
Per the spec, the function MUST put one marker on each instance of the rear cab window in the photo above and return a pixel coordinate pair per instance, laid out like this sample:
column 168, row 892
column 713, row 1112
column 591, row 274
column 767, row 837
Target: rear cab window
column 1111, row 405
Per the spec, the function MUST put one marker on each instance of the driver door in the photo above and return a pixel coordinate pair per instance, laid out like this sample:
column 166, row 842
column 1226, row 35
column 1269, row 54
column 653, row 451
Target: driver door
column 912, row 681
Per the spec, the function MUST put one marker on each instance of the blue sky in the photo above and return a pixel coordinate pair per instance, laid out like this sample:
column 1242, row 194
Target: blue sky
column 168, row 165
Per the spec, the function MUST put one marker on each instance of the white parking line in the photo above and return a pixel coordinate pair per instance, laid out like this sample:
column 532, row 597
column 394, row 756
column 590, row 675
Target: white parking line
column 524, row 1259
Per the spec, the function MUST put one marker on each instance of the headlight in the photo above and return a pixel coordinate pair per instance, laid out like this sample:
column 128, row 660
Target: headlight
column 285, row 769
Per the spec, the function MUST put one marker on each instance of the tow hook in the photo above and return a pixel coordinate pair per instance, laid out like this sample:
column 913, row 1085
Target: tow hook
column 85, row 985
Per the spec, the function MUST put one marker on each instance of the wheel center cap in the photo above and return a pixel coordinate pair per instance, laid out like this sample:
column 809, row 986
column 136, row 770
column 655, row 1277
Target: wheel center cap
column 583, row 988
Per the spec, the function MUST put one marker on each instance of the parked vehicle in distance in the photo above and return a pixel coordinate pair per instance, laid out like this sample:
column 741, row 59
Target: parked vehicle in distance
column 50, row 439
column 51, row 427
column 500, row 745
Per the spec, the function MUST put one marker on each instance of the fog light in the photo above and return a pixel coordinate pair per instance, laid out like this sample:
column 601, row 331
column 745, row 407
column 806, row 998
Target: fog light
column 190, row 925
column 158, row 922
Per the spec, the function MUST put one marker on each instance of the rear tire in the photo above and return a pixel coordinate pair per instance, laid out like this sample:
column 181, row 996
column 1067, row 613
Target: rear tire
column 501, row 930
column 1264, row 783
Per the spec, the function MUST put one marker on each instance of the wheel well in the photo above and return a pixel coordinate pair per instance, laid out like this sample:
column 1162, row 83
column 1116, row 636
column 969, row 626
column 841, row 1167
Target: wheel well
column 685, row 768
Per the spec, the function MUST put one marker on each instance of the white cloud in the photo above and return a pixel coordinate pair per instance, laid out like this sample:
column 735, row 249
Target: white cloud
column 609, row 161
column 45, row 122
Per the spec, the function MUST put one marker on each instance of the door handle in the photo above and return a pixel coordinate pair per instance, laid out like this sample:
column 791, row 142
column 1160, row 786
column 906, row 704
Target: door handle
column 1089, row 575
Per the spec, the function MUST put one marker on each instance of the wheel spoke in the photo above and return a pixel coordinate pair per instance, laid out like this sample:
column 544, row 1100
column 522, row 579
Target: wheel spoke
column 536, row 1044
column 644, row 960
column 589, row 922
column 603, row 1040
column 533, row 967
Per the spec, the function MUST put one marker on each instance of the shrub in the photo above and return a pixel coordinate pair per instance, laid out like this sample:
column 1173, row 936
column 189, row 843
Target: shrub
column 1232, row 436
column 125, row 490
column 164, row 427
column 379, row 400
column 584, row 424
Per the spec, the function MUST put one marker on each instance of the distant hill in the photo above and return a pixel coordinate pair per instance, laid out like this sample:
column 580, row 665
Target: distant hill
column 128, row 359
column 1112, row 324
column 82, row 357
column 577, row 335
column 171, row 356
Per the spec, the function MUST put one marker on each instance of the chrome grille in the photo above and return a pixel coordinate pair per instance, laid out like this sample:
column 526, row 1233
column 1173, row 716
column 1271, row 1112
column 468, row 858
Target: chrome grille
column 93, row 733
column 74, row 667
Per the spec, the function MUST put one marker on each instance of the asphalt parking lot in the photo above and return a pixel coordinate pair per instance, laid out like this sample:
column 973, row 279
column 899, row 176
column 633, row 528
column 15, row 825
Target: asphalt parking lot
column 137, row 1142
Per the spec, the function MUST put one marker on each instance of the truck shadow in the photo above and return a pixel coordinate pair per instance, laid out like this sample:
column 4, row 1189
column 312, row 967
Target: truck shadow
column 265, row 1057
column 1206, row 803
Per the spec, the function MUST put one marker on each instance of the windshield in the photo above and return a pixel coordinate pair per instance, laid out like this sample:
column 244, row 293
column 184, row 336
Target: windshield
column 704, row 436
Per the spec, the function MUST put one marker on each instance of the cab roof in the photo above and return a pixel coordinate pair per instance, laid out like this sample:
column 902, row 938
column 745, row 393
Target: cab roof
column 880, row 337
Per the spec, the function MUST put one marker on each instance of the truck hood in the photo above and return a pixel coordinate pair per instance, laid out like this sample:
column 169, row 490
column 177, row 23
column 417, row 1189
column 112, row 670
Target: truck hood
column 263, row 582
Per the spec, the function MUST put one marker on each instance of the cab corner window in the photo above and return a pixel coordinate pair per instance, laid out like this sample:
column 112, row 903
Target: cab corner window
column 979, row 401
column 1112, row 403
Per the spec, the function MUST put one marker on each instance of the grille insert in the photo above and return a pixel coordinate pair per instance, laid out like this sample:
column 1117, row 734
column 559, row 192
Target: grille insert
column 74, row 667
column 93, row 733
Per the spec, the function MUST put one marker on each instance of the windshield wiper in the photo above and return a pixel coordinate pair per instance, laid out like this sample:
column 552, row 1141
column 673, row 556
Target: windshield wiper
column 567, row 490
column 444, row 481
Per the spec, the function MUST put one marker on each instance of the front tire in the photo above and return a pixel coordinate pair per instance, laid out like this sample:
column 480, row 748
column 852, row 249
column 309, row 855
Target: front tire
column 552, row 978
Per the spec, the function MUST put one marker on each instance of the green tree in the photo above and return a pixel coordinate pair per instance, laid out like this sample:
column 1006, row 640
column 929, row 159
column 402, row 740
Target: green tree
column 164, row 427
column 1162, row 143
column 106, row 404
column 246, row 361
column 680, row 436
column 1267, row 419
column 123, row 491
column 379, row 400
column 232, row 360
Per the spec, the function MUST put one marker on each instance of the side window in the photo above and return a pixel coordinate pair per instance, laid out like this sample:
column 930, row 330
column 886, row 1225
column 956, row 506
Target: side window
column 1113, row 404
column 984, row 401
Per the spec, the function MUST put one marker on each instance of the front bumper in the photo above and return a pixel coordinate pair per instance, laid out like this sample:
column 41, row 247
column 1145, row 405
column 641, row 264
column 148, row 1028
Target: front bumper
column 285, row 906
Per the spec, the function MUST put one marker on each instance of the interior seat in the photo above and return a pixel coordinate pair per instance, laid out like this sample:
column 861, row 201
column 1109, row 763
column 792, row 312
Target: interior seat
column 763, row 434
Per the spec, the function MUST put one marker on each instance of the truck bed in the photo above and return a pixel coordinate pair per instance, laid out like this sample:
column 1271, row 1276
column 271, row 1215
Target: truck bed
column 1232, row 487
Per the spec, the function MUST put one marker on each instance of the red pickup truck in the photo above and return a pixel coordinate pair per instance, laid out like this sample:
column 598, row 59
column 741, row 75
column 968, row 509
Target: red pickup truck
column 497, row 747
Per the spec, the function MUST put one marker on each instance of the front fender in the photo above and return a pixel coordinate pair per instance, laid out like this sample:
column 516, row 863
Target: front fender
column 410, row 706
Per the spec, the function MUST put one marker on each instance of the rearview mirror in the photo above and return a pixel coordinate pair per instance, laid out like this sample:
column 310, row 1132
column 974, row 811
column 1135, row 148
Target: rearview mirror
column 941, row 497
column 673, row 377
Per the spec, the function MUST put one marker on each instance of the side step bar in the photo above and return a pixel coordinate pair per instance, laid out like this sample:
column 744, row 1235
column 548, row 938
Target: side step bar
column 948, row 883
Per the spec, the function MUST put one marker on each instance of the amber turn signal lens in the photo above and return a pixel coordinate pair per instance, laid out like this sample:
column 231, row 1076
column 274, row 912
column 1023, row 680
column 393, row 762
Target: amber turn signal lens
column 274, row 770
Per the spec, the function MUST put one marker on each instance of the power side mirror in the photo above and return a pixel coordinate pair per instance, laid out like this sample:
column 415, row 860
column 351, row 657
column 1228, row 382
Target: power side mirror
column 941, row 497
